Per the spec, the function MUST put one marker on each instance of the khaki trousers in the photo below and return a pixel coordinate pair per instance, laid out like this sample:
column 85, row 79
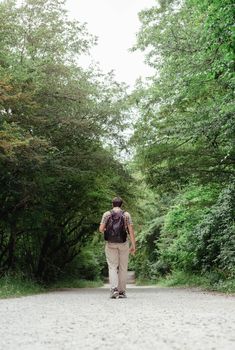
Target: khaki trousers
column 117, row 258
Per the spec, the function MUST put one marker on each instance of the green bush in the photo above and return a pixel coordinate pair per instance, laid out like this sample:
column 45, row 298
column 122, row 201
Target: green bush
column 211, row 281
column 16, row 284
column 213, row 240
column 196, row 240
column 89, row 264
column 146, row 258
column 175, row 242
column 141, row 264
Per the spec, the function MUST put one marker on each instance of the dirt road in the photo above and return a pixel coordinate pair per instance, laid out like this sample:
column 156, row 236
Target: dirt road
column 150, row 318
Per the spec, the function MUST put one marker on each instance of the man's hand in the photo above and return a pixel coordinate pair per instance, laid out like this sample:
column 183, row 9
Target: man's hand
column 132, row 250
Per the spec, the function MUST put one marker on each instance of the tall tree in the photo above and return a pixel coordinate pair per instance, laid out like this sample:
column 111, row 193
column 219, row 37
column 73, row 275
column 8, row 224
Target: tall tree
column 55, row 172
column 185, row 136
column 186, row 130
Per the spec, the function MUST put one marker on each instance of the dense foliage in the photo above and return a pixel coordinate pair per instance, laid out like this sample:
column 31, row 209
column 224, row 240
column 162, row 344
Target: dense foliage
column 185, row 137
column 56, row 175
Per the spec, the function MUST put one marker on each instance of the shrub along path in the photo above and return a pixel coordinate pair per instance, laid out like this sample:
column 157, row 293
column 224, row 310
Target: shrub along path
column 150, row 318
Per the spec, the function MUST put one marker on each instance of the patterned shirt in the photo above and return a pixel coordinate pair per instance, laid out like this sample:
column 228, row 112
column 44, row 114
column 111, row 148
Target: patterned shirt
column 106, row 215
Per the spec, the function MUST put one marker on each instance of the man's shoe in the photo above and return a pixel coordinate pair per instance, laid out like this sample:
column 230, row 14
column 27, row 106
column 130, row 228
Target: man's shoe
column 122, row 294
column 114, row 293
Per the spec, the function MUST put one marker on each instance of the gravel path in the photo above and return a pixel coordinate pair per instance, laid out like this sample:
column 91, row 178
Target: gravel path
column 150, row 318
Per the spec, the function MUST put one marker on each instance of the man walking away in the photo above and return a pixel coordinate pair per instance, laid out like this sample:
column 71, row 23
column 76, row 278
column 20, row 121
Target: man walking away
column 116, row 224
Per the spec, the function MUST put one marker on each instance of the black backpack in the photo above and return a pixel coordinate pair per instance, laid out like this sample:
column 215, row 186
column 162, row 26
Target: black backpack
column 115, row 231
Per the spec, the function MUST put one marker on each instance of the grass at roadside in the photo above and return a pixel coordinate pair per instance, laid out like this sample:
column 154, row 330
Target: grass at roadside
column 76, row 283
column 182, row 279
column 17, row 286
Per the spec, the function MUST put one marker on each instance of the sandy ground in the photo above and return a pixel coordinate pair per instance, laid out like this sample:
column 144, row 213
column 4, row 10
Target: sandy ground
column 150, row 318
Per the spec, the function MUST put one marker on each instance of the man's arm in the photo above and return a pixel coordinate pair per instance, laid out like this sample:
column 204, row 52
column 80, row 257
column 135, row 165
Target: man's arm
column 102, row 228
column 104, row 221
column 132, row 238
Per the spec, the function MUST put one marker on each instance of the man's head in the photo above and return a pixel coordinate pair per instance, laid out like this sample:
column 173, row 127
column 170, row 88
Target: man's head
column 117, row 202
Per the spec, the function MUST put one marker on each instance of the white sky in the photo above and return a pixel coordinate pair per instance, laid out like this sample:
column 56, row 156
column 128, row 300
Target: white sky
column 115, row 23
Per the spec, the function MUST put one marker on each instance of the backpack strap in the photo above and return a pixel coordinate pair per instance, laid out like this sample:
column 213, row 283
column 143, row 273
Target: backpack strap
column 110, row 214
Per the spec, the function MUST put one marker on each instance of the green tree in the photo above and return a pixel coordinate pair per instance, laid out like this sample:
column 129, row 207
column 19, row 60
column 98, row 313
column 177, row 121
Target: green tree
column 185, row 134
column 186, row 130
column 55, row 171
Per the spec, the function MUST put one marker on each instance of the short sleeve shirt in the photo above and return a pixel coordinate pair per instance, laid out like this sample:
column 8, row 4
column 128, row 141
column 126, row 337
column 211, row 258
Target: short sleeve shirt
column 106, row 215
